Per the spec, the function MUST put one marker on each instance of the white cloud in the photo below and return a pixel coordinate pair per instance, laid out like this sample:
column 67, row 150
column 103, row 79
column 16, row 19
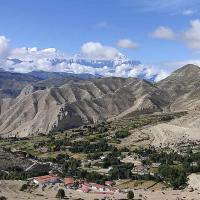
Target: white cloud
column 4, row 47
column 191, row 37
column 126, row 43
column 49, row 50
column 135, row 71
column 96, row 50
column 163, row 32
column 161, row 75
column 188, row 12
column 32, row 59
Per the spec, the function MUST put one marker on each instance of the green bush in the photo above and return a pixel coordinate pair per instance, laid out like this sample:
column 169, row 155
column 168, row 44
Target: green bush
column 24, row 187
column 3, row 198
column 176, row 176
column 130, row 195
column 122, row 134
column 60, row 194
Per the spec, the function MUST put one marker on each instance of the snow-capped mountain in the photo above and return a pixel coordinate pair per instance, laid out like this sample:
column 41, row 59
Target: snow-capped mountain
column 59, row 65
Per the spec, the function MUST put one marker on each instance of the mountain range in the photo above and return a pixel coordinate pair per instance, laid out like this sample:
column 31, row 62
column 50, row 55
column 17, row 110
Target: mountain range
column 57, row 66
column 46, row 104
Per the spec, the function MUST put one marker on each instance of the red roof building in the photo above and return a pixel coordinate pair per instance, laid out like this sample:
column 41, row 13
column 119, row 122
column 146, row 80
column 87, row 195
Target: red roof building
column 98, row 187
column 111, row 189
column 86, row 184
column 109, row 183
column 69, row 181
column 45, row 179
column 85, row 188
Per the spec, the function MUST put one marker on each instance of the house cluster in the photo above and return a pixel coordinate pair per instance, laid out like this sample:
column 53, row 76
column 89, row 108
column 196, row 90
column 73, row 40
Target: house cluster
column 98, row 188
column 145, row 169
column 86, row 187
column 79, row 185
column 140, row 168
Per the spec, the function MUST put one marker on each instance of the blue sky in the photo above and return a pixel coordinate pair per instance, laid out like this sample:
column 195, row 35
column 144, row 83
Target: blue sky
column 152, row 31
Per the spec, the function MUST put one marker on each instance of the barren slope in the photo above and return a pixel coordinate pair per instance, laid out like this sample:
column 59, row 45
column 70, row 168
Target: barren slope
column 183, row 86
column 176, row 134
column 74, row 104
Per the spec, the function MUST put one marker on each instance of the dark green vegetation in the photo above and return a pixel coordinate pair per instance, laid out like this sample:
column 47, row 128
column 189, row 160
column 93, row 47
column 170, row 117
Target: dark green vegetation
column 3, row 198
column 122, row 134
column 60, row 194
column 130, row 195
column 174, row 166
column 87, row 139
column 18, row 173
column 72, row 167
column 24, row 187
column 87, row 147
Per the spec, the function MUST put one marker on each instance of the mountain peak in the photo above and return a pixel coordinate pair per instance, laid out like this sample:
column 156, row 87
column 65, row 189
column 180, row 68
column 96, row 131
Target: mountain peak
column 181, row 81
column 187, row 74
column 188, row 70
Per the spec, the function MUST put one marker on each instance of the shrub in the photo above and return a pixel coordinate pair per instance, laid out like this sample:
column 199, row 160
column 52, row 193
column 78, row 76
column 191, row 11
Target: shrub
column 61, row 158
column 122, row 134
column 60, row 194
column 130, row 195
column 3, row 198
column 24, row 187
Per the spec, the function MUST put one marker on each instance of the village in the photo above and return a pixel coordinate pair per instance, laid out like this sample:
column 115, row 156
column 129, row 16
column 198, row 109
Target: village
column 91, row 161
column 75, row 184
column 81, row 185
column 113, row 173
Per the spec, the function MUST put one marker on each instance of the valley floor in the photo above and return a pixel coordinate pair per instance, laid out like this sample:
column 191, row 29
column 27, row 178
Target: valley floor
column 11, row 190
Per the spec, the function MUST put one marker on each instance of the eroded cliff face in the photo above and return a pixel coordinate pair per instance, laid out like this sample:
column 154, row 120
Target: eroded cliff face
column 74, row 104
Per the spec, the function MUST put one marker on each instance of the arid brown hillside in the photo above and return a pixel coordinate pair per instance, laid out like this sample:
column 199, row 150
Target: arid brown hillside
column 74, row 104
column 47, row 106
column 183, row 87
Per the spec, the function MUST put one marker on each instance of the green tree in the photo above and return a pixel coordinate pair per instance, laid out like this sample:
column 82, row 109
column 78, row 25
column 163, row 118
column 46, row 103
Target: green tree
column 3, row 198
column 60, row 194
column 24, row 187
column 130, row 195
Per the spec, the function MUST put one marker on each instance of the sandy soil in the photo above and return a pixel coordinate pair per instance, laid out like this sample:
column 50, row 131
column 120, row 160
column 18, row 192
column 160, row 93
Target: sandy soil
column 10, row 189
column 194, row 181
column 179, row 132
